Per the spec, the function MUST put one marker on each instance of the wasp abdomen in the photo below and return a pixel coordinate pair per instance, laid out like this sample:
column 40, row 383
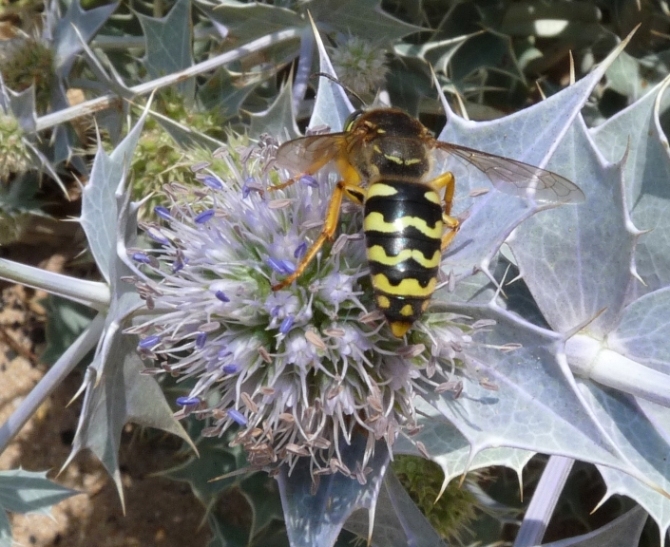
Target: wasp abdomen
column 403, row 233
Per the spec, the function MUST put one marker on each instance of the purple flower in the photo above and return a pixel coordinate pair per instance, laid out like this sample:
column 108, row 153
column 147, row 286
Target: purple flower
column 288, row 367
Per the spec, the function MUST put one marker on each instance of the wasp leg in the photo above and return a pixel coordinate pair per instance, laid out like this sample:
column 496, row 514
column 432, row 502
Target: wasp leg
column 283, row 184
column 329, row 227
column 452, row 224
column 448, row 182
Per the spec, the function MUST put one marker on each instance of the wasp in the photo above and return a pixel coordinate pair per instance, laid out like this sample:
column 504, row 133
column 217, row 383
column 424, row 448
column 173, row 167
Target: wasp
column 385, row 159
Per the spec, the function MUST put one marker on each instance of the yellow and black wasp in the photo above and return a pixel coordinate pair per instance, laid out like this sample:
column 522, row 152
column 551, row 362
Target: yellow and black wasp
column 385, row 158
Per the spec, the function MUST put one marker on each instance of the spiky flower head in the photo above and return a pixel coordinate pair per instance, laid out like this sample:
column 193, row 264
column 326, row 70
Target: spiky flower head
column 25, row 62
column 13, row 149
column 157, row 160
column 360, row 64
column 294, row 372
column 449, row 509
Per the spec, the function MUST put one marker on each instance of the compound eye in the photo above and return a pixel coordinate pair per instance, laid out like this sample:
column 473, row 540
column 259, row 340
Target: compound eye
column 351, row 120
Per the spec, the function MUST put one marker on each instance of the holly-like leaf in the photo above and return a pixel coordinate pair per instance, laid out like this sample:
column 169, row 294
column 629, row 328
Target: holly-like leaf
column 565, row 256
column 524, row 397
column 116, row 390
column 531, row 136
column 100, row 212
column 76, row 25
column 641, row 444
column 212, row 461
column 27, row 492
column 279, row 119
column 636, row 134
column 398, row 521
column 447, row 447
column 24, row 491
column 624, row 531
column 243, row 23
column 168, row 45
column 332, row 106
column 581, row 266
column 643, row 334
column 364, row 18
column 335, row 495
column 225, row 93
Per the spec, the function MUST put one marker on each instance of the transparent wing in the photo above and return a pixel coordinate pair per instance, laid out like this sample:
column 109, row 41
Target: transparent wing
column 309, row 154
column 515, row 177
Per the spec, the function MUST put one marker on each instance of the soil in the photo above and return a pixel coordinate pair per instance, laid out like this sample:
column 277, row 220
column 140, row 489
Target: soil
column 159, row 512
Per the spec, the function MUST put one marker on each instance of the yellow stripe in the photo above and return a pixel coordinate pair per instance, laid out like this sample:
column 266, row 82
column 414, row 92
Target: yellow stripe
column 375, row 222
column 407, row 310
column 399, row 328
column 433, row 197
column 381, row 189
column 407, row 287
column 383, row 301
column 376, row 253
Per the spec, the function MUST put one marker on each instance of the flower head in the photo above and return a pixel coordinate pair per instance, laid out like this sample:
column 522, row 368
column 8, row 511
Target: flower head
column 360, row 64
column 295, row 371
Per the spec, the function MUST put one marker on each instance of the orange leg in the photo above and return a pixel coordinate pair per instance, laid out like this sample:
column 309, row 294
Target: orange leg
column 448, row 182
column 329, row 227
column 283, row 184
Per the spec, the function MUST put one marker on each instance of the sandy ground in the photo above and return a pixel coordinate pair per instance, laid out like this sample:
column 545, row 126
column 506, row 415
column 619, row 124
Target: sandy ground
column 160, row 512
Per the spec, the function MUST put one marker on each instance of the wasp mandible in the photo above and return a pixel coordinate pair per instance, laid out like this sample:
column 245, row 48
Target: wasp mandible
column 385, row 158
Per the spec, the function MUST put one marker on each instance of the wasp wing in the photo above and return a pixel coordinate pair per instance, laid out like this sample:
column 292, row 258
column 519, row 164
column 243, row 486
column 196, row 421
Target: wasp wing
column 309, row 154
column 518, row 178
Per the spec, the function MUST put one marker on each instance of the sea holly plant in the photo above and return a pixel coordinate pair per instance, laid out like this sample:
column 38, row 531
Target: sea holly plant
column 309, row 381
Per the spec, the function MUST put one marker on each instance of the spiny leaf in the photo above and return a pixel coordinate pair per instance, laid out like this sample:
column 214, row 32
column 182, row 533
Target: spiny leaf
column 579, row 265
column 67, row 40
column 532, row 136
column 224, row 92
column 24, row 491
column 643, row 334
column 336, row 495
column 398, row 520
column 636, row 133
column 363, row 18
column 331, row 106
column 566, row 256
column 624, row 531
column 278, row 120
column 27, row 492
column 262, row 494
column 212, row 461
column 641, row 444
column 116, row 391
column 99, row 216
column 168, row 45
column 245, row 22
column 524, row 397
column 447, row 447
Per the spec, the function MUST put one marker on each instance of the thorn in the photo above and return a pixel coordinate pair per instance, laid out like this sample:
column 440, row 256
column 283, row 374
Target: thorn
column 633, row 272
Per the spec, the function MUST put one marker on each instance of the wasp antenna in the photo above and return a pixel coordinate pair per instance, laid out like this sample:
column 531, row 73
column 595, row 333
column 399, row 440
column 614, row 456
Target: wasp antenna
column 335, row 80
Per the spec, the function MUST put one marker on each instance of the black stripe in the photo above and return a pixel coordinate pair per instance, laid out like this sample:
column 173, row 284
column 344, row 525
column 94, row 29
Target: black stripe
column 410, row 201
column 409, row 238
column 407, row 269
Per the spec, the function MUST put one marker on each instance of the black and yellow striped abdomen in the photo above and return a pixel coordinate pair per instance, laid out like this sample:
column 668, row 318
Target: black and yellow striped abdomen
column 403, row 234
